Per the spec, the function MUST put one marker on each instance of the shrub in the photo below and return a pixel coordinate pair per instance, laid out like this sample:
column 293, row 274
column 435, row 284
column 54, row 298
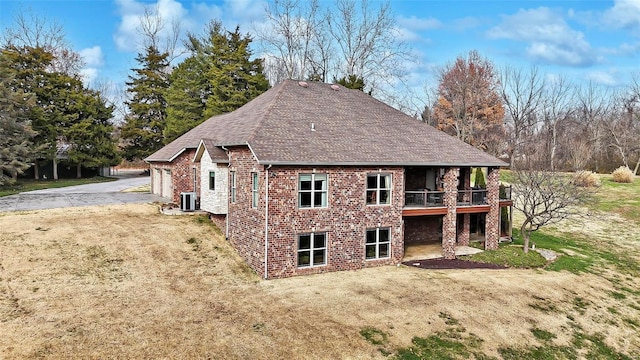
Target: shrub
column 586, row 179
column 622, row 175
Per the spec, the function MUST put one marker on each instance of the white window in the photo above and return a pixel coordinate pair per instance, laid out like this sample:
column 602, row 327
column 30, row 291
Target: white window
column 312, row 191
column 378, row 189
column 312, row 249
column 377, row 243
column 233, row 186
column 254, row 189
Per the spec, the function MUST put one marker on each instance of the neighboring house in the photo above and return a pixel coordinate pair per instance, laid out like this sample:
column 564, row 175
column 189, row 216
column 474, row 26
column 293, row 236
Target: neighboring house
column 312, row 177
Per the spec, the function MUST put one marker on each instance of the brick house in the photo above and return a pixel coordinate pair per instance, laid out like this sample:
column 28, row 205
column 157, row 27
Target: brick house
column 312, row 177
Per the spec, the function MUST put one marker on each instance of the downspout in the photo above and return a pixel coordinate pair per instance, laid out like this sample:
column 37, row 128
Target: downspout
column 226, row 222
column 266, row 221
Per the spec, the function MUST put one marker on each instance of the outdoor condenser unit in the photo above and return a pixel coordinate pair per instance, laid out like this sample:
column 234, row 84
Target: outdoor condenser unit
column 187, row 201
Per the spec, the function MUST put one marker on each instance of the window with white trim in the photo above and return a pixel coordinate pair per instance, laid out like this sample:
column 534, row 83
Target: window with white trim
column 378, row 189
column 312, row 190
column 212, row 180
column 377, row 243
column 254, row 189
column 233, row 186
column 312, row 249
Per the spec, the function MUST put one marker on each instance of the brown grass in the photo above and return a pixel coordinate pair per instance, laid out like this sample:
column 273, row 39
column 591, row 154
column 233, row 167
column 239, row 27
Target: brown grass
column 127, row 282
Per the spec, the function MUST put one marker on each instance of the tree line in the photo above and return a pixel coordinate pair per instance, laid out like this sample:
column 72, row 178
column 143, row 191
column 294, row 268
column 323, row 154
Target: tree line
column 530, row 119
column 47, row 114
column 536, row 121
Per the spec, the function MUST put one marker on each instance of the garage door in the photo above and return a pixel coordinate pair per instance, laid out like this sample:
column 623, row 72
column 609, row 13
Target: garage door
column 157, row 182
column 166, row 184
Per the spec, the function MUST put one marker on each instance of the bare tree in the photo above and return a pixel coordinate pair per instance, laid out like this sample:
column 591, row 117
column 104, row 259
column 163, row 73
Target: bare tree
column 368, row 45
column 291, row 40
column 558, row 98
column 594, row 104
column 546, row 198
column 31, row 30
column 153, row 28
column 521, row 94
column 633, row 111
column 578, row 152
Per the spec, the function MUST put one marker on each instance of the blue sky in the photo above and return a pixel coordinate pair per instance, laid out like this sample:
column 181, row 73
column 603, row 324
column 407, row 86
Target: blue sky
column 585, row 40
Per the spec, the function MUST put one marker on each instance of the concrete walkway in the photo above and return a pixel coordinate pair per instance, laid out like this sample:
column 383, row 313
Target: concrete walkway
column 105, row 193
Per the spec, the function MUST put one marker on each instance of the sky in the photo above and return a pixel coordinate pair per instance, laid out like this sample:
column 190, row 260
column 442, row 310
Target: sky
column 589, row 40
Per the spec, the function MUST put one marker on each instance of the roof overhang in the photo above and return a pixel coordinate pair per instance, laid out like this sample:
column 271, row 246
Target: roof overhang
column 201, row 149
column 149, row 160
column 375, row 163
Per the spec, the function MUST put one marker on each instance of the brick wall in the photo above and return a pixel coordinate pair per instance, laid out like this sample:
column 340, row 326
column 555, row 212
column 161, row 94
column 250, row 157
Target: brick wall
column 182, row 172
column 246, row 224
column 492, row 230
column 345, row 219
column 449, row 223
column 422, row 229
column 182, row 169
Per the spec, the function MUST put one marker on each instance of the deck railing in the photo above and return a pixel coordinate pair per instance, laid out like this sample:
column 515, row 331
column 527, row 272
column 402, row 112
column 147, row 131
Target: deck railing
column 423, row 198
column 505, row 192
column 470, row 197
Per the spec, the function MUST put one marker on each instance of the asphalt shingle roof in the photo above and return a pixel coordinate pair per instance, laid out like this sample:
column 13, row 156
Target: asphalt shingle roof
column 324, row 124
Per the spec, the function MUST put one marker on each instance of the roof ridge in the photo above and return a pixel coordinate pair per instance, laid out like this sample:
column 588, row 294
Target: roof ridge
column 268, row 110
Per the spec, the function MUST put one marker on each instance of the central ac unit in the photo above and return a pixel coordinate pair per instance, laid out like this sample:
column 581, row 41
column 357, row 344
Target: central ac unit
column 188, row 201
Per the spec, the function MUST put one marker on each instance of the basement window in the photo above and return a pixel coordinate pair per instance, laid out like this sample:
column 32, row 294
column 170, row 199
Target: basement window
column 312, row 249
column 377, row 243
column 312, row 191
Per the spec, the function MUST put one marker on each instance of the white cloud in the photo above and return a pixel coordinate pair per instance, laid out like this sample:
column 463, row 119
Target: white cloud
column 604, row 78
column 246, row 10
column 624, row 14
column 128, row 37
column 192, row 19
column 419, row 24
column 550, row 38
column 88, row 75
column 93, row 59
column 408, row 28
column 92, row 56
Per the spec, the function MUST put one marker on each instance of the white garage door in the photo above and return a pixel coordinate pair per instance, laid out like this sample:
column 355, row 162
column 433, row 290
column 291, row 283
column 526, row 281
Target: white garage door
column 166, row 184
column 157, row 182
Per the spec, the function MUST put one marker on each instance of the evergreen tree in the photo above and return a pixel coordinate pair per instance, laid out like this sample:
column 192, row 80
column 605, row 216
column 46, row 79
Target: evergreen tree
column 217, row 78
column 15, row 128
column 90, row 135
column 32, row 75
column 234, row 78
column 186, row 97
column 351, row 82
column 60, row 112
column 145, row 123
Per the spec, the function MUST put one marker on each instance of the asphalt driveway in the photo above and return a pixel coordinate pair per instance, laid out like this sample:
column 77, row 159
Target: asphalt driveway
column 105, row 193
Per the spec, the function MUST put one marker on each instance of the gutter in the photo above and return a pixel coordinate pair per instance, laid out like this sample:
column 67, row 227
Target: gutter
column 378, row 164
column 226, row 230
column 266, row 221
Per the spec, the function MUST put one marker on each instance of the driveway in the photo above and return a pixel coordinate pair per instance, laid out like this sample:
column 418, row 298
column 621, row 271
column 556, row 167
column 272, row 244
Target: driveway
column 105, row 193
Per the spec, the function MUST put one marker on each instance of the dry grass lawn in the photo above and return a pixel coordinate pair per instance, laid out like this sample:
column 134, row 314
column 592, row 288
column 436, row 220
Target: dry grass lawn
column 127, row 282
